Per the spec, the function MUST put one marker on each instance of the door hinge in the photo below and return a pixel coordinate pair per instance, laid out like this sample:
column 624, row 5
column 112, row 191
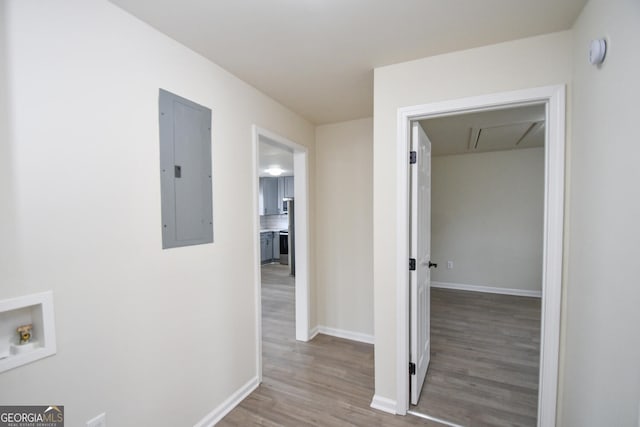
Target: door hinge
column 412, row 368
column 412, row 264
column 413, row 157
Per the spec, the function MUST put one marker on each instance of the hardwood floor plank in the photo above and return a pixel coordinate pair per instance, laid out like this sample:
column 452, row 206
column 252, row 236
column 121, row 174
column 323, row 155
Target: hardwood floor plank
column 483, row 371
column 484, row 359
column 325, row 382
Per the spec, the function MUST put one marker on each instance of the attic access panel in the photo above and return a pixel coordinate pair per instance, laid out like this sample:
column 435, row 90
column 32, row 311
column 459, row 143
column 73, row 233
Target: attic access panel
column 185, row 172
column 507, row 137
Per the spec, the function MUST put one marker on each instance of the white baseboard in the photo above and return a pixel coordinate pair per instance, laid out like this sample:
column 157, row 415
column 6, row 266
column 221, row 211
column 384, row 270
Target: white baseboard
column 312, row 334
column 225, row 407
column 487, row 289
column 383, row 404
column 341, row 333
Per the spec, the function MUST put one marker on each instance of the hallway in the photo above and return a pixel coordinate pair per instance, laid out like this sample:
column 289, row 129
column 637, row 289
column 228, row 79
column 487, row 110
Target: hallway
column 326, row 382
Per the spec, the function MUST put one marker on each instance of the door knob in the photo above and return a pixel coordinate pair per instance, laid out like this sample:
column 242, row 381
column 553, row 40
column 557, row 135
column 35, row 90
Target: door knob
column 431, row 264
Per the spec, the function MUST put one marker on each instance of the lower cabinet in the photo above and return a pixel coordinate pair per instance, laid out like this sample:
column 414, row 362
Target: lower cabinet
column 264, row 248
column 269, row 247
column 276, row 246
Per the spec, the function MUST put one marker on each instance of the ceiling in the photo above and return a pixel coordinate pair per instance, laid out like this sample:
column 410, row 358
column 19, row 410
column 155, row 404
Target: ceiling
column 496, row 130
column 316, row 56
column 273, row 154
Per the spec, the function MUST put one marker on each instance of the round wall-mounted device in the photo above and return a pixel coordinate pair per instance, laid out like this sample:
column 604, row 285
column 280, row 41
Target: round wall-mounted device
column 597, row 51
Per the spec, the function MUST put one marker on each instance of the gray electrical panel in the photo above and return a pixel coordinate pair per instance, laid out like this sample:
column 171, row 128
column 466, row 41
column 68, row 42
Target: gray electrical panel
column 185, row 172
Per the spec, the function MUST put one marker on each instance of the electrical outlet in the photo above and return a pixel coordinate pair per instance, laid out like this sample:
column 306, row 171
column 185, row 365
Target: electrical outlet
column 99, row 421
column 449, row 265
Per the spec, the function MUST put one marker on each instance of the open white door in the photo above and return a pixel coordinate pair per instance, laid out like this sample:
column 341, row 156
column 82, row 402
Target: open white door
column 420, row 278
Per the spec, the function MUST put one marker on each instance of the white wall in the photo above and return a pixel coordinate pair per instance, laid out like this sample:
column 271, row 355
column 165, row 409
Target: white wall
column 143, row 333
column 8, row 253
column 601, row 375
column 520, row 64
column 487, row 212
column 344, row 164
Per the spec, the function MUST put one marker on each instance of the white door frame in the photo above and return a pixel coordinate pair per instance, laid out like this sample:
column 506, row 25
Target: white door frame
column 301, row 192
column 554, row 99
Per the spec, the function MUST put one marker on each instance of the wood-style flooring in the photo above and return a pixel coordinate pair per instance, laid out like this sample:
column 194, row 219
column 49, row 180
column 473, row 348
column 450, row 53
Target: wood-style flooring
column 485, row 351
column 325, row 382
column 329, row 381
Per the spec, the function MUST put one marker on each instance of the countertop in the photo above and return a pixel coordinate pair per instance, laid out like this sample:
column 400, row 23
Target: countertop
column 270, row 230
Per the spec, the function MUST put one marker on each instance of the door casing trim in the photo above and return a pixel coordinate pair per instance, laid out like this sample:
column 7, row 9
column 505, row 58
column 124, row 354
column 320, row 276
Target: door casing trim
column 553, row 97
column 301, row 195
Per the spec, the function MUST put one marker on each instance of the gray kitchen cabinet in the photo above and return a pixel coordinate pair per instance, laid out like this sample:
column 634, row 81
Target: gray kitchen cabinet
column 270, row 204
column 272, row 191
column 288, row 186
column 276, row 246
column 280, row 193
column 285, row 190
column 264, row 248
column 267, row 247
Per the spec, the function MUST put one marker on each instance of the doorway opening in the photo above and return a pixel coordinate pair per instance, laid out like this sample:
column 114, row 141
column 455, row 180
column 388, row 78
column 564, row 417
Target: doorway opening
column 291, row 268
column 484, row 230
column 553, row 102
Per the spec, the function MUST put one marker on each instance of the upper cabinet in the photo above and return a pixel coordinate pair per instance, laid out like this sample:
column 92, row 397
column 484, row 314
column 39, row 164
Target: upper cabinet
column 272, row 191
column 288, row 186
column 269, row 196
column 285, row 188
